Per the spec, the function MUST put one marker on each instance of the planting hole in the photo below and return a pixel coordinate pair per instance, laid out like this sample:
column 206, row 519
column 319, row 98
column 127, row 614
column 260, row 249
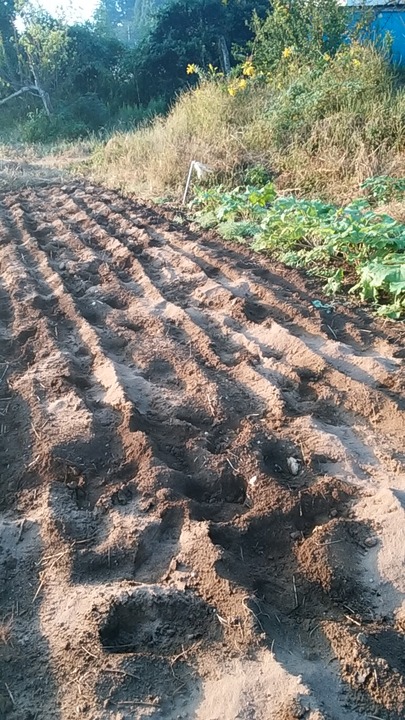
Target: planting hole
column 157, row 621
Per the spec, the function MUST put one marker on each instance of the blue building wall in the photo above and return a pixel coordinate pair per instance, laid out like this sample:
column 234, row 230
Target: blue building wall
column 390, row 20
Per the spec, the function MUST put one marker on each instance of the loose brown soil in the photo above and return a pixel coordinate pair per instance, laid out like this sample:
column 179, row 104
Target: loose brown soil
column 202, row 477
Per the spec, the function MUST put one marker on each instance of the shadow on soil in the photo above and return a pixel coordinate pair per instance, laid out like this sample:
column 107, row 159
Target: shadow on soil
column 297, row 558
column 27, row 687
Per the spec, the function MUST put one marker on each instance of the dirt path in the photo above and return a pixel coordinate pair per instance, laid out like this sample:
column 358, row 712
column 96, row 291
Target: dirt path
column 202, row 478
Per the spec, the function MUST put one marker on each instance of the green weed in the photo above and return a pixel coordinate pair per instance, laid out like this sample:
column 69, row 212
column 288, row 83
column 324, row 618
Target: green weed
column 352, row 247
column 383, row 189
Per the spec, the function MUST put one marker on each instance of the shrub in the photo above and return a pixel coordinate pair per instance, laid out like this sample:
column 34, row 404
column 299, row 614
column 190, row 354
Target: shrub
column 38, row 128
column 357, row 82
column 305, row 29
column 90, row 111
column 383, row 189
column 132, row 116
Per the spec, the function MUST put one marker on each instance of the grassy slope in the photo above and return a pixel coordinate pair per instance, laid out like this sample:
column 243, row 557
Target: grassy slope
column 320, row 131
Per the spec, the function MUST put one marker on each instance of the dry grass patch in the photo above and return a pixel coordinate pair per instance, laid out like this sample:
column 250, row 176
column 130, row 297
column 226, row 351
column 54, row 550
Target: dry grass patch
column 32, row 165
column 156, row 158
column 15, row 175
column 5, row 632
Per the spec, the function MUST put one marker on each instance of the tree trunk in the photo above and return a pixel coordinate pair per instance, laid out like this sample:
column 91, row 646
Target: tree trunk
column 42, row 93
column 224, row 55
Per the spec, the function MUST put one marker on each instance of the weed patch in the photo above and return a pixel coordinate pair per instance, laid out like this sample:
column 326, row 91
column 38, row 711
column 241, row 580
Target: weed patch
column 353, row 248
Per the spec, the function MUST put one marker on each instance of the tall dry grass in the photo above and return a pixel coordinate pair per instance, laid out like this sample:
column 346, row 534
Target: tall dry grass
column 320, row 131
column 155, row 160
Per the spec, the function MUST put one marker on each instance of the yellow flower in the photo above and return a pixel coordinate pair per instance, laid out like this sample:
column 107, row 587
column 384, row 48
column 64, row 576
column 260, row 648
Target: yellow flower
column 191, row 69
column 287, row 52
column 248, row 69
column 242, row 83
column 232, row 90
column 356, row 62
column 326, row 57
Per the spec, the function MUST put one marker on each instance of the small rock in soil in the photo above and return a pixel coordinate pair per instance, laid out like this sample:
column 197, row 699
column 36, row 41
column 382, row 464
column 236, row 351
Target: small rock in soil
column 371, row 542
column 362, row 677
column 293, row 465
column 296, row 535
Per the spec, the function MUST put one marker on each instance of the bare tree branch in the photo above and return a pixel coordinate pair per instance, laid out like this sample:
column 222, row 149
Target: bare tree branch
column 33, row 90
column 22, row 90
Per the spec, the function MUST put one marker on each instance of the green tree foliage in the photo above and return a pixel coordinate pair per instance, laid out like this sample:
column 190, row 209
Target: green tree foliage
column 188, row 31
column 7, row 15
column 43, row 49
column 126, row 20
column 306, row 28
column 95, row 66
column 30, row 61
column 8, row 58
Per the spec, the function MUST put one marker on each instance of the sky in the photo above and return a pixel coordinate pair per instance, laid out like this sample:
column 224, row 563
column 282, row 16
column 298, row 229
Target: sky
column 76, row 10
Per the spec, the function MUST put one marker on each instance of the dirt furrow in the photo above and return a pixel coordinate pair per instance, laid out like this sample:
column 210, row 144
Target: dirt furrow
column 356, row 375
column 195, row 457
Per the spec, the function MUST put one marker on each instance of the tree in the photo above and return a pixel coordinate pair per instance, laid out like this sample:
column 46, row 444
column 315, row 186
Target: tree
column 190, row 31
column 30, row 61
column 127, row 20
column 305, row 28
column 115, row 17
column 96, row 65
column 8, row 56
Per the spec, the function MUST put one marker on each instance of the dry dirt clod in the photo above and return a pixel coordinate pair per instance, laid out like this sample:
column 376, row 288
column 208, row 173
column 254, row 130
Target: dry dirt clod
column 362, row 677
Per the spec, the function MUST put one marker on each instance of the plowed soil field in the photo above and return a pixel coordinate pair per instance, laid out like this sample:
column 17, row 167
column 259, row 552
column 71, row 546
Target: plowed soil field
column 202, row 482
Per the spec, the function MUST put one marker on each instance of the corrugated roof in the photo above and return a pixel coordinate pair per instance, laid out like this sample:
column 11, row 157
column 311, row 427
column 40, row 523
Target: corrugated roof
column 375, row 3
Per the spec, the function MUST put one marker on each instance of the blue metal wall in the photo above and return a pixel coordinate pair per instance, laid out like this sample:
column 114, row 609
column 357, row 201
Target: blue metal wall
column 391, row 20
